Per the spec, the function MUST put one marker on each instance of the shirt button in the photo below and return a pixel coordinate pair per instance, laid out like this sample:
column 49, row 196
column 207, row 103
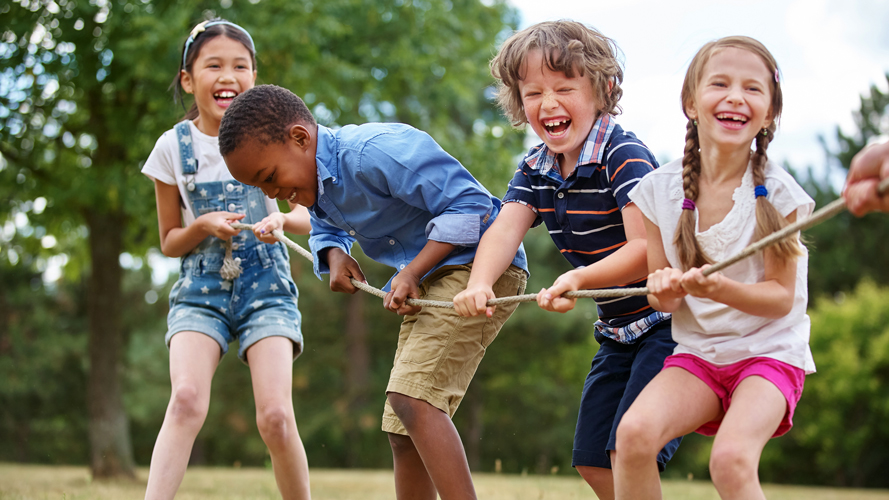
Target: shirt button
column 561, row 195
column 334, row 179
column 401, row 266
column 391, row 242
column 231, row 207
column 229, row 188
column 352, row 233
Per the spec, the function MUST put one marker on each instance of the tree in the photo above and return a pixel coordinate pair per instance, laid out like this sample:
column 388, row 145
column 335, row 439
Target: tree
column 82, row 100
column 846, row 249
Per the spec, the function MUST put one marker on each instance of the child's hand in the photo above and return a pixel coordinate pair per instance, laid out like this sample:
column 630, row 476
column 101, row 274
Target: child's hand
column 551, row 299
column 473, row 300
column 697, row 285
column 405, row 284
column 665, row 284
column 868, row 167
column 342, row 268
column 218, row 224
column 263, row 229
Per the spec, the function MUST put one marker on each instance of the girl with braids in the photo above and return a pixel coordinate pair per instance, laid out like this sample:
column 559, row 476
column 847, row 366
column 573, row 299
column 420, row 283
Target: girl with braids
column 232, row 285
column 742, row 335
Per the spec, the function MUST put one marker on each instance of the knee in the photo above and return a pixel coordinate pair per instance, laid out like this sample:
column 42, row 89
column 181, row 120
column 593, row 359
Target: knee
column 732, row 463
column 598, row 478
column 187, row 405
column 401, row 445
column 274, row 421
column 636, row 439
column 406, row 408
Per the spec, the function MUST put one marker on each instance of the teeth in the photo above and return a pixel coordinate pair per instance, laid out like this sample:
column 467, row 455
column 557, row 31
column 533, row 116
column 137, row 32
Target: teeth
column 736, row 118
column 292, row 197
column 555, row 123
column 225, row 94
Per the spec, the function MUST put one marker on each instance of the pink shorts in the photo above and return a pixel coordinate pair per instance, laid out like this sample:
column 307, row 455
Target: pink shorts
column 723, row 380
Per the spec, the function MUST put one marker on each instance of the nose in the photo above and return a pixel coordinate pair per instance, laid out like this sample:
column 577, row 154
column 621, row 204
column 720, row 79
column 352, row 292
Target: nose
column 267, row 192
column 735, row 95
column 549, row 100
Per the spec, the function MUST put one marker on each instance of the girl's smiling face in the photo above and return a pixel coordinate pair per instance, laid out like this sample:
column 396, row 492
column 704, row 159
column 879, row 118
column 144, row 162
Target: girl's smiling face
column 561, row 110
column 222, row 70
column 733, row 99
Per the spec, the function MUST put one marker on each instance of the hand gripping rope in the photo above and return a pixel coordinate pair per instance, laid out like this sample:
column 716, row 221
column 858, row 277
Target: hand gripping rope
column 818, row 217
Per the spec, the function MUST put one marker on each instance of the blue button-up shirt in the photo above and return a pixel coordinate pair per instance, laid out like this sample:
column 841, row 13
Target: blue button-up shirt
column 392, row 188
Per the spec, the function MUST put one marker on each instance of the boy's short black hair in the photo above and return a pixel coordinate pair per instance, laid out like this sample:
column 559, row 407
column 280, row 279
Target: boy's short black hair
column 264, row 113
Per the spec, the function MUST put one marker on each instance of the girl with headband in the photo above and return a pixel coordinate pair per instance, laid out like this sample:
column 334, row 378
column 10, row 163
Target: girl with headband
column 232, row 285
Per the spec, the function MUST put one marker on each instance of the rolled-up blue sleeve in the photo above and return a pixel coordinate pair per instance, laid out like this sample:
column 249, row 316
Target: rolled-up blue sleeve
column 323, row 236
column 420, row 173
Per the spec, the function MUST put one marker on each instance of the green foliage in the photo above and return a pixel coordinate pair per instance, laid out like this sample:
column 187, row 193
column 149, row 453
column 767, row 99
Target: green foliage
column 846, row 249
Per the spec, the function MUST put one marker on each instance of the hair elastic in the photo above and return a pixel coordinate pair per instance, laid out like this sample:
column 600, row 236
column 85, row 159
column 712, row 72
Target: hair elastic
column 776, row 75
column 688, row 204
column 760, row 190
column 201, row 27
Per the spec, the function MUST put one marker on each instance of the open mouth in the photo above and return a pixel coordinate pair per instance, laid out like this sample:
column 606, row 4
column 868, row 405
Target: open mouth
column 224, row 97
column 556, row 127
column 732, row 120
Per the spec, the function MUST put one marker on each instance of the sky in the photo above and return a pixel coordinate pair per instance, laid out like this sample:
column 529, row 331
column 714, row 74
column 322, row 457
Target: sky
column 829, row 52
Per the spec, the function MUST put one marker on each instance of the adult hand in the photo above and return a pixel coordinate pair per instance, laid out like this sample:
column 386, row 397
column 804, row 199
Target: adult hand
column 868, row 168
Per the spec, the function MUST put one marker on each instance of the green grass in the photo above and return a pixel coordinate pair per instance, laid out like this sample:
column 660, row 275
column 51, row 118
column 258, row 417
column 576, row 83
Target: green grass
column 27, row 482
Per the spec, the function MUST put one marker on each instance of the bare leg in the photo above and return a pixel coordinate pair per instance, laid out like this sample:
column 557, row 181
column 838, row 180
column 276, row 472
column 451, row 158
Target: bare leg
column 673, row 404
column 193, row 360
column 412, row 482
column 756, row 410
column 271, row 367
column 600, row 479
column 438, row 445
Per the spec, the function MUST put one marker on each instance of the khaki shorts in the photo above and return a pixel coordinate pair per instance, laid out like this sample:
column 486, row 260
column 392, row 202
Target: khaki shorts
column 439, row 350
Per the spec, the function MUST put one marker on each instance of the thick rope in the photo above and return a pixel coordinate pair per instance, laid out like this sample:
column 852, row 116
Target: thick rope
column 817, row 217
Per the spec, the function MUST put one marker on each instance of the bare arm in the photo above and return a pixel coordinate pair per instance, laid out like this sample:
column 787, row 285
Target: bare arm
column 176, row 240
column 296, row 221
column 496, row 251
column 407, row 282
column 663, row 281
column 771, row 298
column 625, row 265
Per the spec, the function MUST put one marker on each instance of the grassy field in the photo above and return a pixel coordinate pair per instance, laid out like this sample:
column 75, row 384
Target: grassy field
column 27, row 482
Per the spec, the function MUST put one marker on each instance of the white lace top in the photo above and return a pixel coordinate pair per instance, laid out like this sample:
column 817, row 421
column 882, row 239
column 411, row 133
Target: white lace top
column 711, row 330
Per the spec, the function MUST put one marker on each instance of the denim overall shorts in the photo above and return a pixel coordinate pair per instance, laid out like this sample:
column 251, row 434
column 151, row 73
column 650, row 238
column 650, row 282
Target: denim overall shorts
column 262, row 301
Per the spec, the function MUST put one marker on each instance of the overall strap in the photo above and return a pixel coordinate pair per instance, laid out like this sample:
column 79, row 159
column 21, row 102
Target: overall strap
column 186, row 152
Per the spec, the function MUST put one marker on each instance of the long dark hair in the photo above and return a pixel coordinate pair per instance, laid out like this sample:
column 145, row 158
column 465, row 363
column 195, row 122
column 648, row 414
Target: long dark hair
column 192, row 47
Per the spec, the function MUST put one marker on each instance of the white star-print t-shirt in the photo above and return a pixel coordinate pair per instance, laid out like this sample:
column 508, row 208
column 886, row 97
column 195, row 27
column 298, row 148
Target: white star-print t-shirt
column 165, row 165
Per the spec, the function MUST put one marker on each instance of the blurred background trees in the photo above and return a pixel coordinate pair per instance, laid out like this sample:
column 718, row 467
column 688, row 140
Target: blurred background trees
column 84, row 96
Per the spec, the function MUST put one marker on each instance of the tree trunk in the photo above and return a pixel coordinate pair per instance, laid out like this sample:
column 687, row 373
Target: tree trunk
column 110, row 447
column 357, row 373
column 475, row 402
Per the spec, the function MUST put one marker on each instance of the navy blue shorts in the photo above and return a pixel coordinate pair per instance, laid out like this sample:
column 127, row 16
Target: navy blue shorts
column 618, row 374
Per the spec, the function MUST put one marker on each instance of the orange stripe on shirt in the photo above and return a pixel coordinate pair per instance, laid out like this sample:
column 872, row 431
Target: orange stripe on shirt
column 592, row 212
column 594, row 251
column 625, row 163
column 546, row 209
column 634, row 312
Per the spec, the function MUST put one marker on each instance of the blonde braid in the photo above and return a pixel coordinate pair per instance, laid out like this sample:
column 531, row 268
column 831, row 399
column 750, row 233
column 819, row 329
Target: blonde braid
column 690, row 252
column 768, row 219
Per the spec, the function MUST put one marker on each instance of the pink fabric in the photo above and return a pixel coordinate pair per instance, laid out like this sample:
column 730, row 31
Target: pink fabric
column 723, row 380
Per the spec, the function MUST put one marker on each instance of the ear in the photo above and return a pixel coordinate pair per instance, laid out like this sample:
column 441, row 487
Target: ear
column 185, row 81
column 300, row 135
column 253, row 82
column 610, row 86
column 691, row 112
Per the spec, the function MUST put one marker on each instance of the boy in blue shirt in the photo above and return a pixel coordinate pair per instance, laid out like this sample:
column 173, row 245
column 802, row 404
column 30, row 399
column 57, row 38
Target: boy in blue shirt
column 411, row 206
column 563, row 79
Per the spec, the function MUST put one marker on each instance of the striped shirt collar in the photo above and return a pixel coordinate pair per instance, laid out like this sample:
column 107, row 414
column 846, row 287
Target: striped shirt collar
column 593, row 149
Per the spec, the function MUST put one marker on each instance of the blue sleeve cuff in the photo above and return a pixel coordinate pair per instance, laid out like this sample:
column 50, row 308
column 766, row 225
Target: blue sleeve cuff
column 456, row 229
column 328, row 241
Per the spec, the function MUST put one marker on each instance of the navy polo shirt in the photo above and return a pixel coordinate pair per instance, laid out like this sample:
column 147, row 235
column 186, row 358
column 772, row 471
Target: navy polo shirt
column 582, row 213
